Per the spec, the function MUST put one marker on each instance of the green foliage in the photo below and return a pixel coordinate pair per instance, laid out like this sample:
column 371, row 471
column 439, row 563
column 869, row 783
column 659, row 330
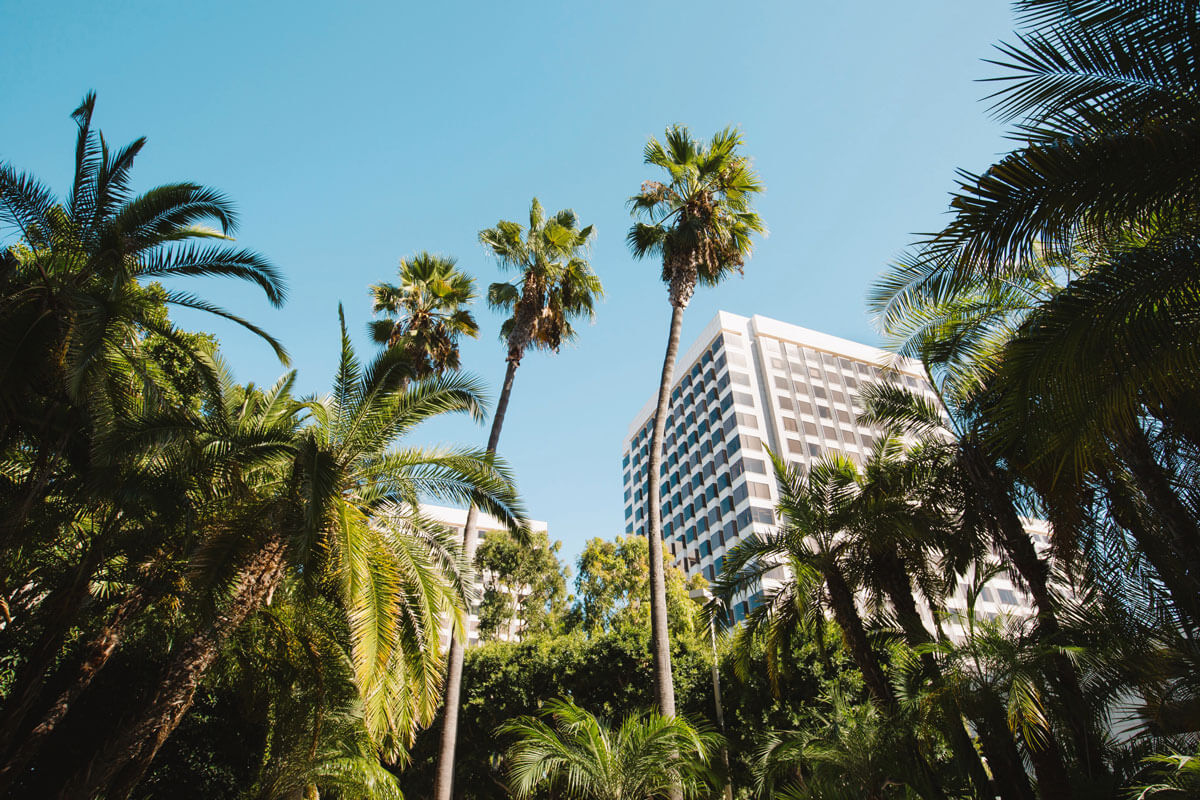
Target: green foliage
column 524, row 586
column 645, row 756
column 425, row 314
column 612, row 589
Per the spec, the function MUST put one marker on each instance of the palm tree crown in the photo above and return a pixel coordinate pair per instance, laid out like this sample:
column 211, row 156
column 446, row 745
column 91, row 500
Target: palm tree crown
column 699, row 222
column 556, row 284
column 426, row 313
column 646, row 756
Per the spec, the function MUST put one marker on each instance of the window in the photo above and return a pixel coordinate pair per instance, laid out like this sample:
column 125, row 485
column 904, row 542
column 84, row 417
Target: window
column 748, row 420
column 740, row 493
column 814, row 450
column 830, row 433
column 754, row 465
column 764, row 515
column 743, row 398
column 737, row 359
column 810, row 428
column 844, row 416
column 753, row 443
column 734, row 445
column 759, row 490
column 819, row 393
column 824, row 412
column 1007, row 597
column 790, row 425
column 781, row 382
column 795, row 446
column 736, row 468
column 785, row 402
column 740, row 379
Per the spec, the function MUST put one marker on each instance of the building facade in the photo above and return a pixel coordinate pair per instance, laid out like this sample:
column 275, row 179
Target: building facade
column 456, row 520
column 747, row 384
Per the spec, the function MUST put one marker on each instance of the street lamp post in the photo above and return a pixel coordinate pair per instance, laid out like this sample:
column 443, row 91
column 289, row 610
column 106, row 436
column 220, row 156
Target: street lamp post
column 705, row 596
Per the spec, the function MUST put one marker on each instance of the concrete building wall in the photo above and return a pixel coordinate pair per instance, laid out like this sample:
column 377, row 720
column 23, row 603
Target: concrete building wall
column 744, row 385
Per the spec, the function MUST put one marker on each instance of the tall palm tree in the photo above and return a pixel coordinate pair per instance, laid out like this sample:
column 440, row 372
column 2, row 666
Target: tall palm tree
column 699, row 223
column 343, row 511
column 426, row 313
column 555, row 286
column 578, row 755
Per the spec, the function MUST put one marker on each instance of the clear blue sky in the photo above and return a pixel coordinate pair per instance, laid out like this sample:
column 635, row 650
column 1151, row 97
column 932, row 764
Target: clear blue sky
column 351, row 135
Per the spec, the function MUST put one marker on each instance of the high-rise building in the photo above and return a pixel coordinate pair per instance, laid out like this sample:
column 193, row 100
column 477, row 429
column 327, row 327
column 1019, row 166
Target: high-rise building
column 749, row 383
column 455, row 519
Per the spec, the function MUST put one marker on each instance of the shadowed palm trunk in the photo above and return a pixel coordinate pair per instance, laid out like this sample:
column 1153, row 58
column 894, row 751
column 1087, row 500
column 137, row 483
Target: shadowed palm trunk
column 1155, row 484
column 117, row 768
column 899, row 591
column 96, row 654
column 1017, row 545
column 444, row 781
column 63, row 604
column 660, row 639
column 845, row 613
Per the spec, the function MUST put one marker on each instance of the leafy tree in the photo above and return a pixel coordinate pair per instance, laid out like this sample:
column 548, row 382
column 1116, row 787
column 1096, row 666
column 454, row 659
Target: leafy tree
column 643, row 757
column 426, row 313
column 524, row 585
column 555, row 287
column 613, row 583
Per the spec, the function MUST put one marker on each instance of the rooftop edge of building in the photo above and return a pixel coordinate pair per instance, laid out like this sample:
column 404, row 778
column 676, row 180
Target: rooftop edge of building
column 758, row 325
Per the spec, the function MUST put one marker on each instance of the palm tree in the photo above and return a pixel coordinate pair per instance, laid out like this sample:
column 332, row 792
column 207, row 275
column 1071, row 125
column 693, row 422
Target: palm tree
column 555, row 287
column 901, row 533
column 999, row 665
column 1106, row 95
column 850, row 751
column 75, row 304
column 343, row 512
column 982, row 343
column 699, row 223
column 426, row 313
column 580, row 756
column 815, row 509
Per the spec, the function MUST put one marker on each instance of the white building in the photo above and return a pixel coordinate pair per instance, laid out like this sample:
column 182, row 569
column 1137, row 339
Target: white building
column 456, row 519
column 747, row 383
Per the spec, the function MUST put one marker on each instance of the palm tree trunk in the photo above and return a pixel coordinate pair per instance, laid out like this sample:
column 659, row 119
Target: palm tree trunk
column 444, row 781
column 1002, row 754
column 1156, row 552
column 1015, row 542
column 63, row 604
column 898, row 588
column 96, row 655
column 119, row 766
column 1153, row 482
column 660, row 639
column 845, row 614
